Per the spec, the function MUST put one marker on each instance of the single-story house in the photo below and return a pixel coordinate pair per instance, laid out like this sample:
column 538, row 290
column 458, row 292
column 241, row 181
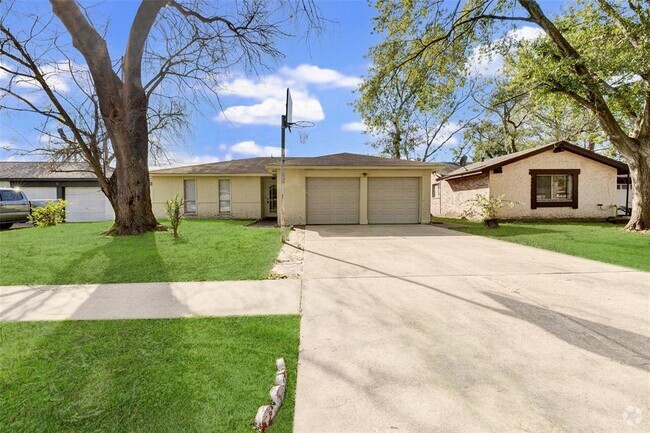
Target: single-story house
column 70, row 181
column 558, row 180
column 343, row 188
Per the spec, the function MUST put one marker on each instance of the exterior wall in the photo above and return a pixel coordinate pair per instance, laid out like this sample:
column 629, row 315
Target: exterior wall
column 296, row 190
column 245, row 195
column 4, row 184
column 455, row 193
column 596, row 185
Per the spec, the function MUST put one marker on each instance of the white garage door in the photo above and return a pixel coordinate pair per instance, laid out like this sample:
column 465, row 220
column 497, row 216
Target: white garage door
column 40, row 193
column 393, row 200
column 87, row 204
column 332, row 200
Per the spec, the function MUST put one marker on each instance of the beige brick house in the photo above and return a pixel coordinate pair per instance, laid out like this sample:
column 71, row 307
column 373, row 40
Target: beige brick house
column 343, row 188
column 555, row 181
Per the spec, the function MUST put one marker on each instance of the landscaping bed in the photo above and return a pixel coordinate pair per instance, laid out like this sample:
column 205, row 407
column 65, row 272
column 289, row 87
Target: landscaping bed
column 163, row 376
column 600, row 241
column 76, row 253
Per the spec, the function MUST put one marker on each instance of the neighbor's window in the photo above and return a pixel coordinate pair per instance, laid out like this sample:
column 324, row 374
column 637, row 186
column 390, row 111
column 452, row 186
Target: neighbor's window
column 435, row 191
column 554, row 188
column 190, row 196
column 224, row 196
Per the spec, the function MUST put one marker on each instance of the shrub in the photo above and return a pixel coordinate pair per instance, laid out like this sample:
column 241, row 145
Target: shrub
column 174, row 210
column 49, row 215
column 487, row 207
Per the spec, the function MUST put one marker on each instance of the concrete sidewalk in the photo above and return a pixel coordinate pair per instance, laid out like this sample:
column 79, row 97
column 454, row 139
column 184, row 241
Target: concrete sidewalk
column 149, row 300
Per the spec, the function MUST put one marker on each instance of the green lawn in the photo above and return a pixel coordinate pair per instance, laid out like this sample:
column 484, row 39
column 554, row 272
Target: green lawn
column 209, row 250
column 604, row 242
column 174, row 375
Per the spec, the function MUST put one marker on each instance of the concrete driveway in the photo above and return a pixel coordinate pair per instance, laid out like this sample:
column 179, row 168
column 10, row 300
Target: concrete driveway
column 423, row 329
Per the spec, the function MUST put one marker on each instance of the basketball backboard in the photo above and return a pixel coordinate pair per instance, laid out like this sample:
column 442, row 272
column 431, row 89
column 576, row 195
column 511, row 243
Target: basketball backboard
column 289, row 108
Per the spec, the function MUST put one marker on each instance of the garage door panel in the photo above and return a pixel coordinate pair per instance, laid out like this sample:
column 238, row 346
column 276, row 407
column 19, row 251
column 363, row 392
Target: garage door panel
column 87, row 204
column 332, row 200
column 394, row 200
column 40, row 193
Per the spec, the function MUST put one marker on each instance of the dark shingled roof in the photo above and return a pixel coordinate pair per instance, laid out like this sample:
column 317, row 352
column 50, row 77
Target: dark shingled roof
column 488, row 164
column 447, row 167
column 355, row 160
column 236, row 166
column 45, row 171
column 258, row 165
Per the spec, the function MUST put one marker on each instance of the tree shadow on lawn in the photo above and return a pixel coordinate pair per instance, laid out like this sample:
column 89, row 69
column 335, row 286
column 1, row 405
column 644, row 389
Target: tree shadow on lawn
column 123, row 259
column 163, row 376
column 97, row 376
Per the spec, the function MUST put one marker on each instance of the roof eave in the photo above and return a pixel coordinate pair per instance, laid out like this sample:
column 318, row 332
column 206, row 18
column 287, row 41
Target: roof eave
column 157, row 174
column 355, row 167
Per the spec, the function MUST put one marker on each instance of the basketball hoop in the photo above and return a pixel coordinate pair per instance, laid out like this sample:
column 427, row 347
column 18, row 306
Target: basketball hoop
column 302, row 126
column 287, row 123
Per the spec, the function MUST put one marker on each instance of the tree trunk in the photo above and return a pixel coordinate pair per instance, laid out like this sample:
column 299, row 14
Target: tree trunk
column 130, row 193
column 639, row 164
column 123, row 106
column 129, row 184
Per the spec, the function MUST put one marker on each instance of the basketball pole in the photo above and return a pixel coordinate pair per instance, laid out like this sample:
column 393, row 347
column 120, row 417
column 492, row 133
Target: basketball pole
column 282, row 177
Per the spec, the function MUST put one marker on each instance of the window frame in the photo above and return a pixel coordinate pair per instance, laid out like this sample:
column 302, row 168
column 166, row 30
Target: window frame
column 185, row 201
column 229, row 211
column 573, row 203
column 435, row 190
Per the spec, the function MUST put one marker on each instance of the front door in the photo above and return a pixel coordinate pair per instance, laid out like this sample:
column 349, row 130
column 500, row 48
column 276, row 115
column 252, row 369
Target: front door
column 270, row 198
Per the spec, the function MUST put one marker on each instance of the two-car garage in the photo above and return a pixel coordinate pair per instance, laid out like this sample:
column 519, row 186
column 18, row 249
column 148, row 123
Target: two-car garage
column 385, row 200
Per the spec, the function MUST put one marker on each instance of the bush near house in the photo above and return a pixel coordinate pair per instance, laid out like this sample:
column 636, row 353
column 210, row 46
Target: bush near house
column 49, row 215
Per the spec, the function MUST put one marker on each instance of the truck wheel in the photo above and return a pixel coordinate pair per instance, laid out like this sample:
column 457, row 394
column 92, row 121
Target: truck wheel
column 5, row 226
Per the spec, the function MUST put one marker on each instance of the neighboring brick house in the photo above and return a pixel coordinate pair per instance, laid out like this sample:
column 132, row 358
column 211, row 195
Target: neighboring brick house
column 555, row 181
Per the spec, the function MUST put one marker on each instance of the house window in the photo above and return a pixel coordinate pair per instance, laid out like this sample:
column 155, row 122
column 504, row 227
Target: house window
column 621, row 186
column 554, row 188
column 190, row 196
column 224, row 196
column 435, row 191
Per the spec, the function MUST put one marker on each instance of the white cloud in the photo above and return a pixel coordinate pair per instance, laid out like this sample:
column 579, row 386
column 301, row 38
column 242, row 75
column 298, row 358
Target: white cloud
column 57, row 75
column 485, row 61
column 323, row 76
column 179, row 159
column 448, row 131
column 269, row 94
column 6, row 146
column 354, row 127
column 269, row 110
column 250, row 148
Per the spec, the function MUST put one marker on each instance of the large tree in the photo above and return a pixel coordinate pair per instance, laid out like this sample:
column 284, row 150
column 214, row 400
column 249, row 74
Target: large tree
column 179, row 46
column 597, row 54
column 405, row 115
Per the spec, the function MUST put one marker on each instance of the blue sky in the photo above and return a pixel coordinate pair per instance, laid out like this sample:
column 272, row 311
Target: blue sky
column 322, row 75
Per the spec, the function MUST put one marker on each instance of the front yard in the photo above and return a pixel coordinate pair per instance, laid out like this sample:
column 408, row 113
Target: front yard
column 164, row 376
column 76, row 253
column 604, row 242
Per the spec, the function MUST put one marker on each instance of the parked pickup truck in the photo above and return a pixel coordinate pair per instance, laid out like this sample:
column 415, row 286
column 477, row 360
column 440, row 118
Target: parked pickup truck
column 15, row 207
